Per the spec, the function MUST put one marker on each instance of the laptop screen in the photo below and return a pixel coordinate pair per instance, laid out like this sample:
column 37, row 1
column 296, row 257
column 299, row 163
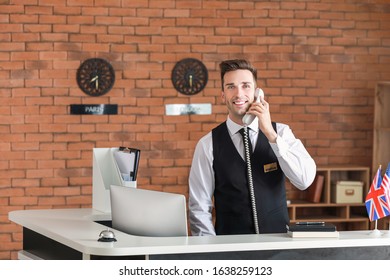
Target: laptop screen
column 148, row 213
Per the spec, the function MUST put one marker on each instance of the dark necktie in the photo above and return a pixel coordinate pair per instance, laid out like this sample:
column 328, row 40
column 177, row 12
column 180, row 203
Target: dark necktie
column 247, row 141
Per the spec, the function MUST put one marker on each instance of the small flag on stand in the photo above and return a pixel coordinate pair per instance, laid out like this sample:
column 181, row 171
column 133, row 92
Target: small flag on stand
column 386, row 183
column 376, row 201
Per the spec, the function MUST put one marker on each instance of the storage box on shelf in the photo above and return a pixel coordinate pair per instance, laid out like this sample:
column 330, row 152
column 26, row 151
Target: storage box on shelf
column 347, row 192
column 346, row 216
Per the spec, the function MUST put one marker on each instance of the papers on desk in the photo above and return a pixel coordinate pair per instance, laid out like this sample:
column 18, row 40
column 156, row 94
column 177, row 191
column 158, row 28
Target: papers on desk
column 127, row 160
column 311, row 234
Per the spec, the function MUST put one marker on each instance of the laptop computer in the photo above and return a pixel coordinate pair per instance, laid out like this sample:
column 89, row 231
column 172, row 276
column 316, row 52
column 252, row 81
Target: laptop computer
column 148, row 213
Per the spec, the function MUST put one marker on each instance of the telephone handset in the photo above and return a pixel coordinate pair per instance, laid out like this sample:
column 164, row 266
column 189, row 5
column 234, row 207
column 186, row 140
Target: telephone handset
column 248, row 118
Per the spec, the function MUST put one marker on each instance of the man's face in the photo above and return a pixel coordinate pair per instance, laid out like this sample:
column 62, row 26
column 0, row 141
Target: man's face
column 238, row 93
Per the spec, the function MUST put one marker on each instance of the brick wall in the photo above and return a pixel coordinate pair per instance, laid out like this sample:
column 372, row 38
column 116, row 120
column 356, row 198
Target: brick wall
column 318, row 61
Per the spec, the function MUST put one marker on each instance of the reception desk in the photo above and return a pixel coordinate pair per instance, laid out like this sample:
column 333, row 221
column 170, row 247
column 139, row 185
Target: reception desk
column 73, row 234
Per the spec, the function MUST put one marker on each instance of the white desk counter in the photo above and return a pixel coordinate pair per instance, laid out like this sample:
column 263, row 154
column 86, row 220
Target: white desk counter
column 76, row 230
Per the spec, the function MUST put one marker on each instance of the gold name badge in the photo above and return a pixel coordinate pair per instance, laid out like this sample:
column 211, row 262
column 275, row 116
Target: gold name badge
column 270, row 167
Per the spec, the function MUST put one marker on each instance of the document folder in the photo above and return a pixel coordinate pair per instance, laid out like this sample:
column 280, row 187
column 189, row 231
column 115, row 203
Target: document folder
column 105, row 173
column 127, row 160
column 311, row 226
column 312, row 229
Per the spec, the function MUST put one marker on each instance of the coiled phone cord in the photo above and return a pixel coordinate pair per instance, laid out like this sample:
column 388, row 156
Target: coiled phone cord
column 250, row 178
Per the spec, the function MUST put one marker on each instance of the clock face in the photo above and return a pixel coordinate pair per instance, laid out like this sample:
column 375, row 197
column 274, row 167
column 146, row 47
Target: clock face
column 95, row 76
column 189, row 76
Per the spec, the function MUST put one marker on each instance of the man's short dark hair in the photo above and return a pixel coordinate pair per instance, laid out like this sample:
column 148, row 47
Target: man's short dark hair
column 236, row 64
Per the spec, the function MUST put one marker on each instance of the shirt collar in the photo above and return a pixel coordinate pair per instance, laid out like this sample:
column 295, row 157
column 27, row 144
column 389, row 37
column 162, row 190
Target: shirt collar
column 234, row 128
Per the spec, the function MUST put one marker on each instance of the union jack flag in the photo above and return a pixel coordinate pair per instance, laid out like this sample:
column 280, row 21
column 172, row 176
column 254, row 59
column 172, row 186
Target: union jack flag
column 386, row 183
column 376, row 203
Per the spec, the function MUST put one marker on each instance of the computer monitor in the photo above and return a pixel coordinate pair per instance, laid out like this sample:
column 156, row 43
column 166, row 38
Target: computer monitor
column 148, row 213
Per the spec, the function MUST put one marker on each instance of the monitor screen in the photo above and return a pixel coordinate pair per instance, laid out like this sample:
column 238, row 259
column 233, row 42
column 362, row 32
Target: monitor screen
column 148, row 213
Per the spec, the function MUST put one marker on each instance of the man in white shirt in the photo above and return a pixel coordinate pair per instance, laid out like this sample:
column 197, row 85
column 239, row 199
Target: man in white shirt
column 218, row 177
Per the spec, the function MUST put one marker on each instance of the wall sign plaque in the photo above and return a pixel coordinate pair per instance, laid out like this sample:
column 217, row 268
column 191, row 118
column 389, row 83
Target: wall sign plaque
column 187, row 109
column 93, row 109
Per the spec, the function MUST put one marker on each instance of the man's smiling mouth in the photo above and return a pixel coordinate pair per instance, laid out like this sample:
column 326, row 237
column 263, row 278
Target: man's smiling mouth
column 240, row 102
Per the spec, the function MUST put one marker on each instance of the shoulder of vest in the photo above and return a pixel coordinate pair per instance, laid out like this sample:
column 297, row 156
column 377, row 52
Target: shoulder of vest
column 219, row 127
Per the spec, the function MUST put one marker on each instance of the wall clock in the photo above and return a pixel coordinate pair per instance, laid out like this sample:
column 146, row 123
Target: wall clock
column 189, row 76
column 95, row 76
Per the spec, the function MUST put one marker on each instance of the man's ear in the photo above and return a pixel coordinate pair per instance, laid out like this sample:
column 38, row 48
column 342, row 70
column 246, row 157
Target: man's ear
column 223, row 97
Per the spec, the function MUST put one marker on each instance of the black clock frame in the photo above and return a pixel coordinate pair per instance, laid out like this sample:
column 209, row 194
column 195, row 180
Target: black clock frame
column 95, row 76
column 189, row 76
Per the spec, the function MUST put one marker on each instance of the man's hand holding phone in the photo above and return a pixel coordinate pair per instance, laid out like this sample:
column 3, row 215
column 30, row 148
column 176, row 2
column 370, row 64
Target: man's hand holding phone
column 260, row 109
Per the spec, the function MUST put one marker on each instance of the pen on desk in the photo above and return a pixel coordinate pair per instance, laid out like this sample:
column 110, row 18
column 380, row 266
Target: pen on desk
column 310, row 223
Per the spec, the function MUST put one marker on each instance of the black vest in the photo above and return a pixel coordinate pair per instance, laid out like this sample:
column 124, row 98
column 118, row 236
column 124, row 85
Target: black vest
column 231, row 195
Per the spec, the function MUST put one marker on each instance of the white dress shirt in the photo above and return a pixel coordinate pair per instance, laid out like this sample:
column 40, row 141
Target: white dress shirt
column 295, row 162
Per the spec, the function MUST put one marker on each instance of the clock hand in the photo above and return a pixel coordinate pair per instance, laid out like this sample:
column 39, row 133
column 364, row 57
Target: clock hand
column 96, row 80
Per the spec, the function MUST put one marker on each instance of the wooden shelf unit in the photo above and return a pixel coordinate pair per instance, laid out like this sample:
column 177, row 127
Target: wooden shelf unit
column 346, row 216
column 381, row 147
